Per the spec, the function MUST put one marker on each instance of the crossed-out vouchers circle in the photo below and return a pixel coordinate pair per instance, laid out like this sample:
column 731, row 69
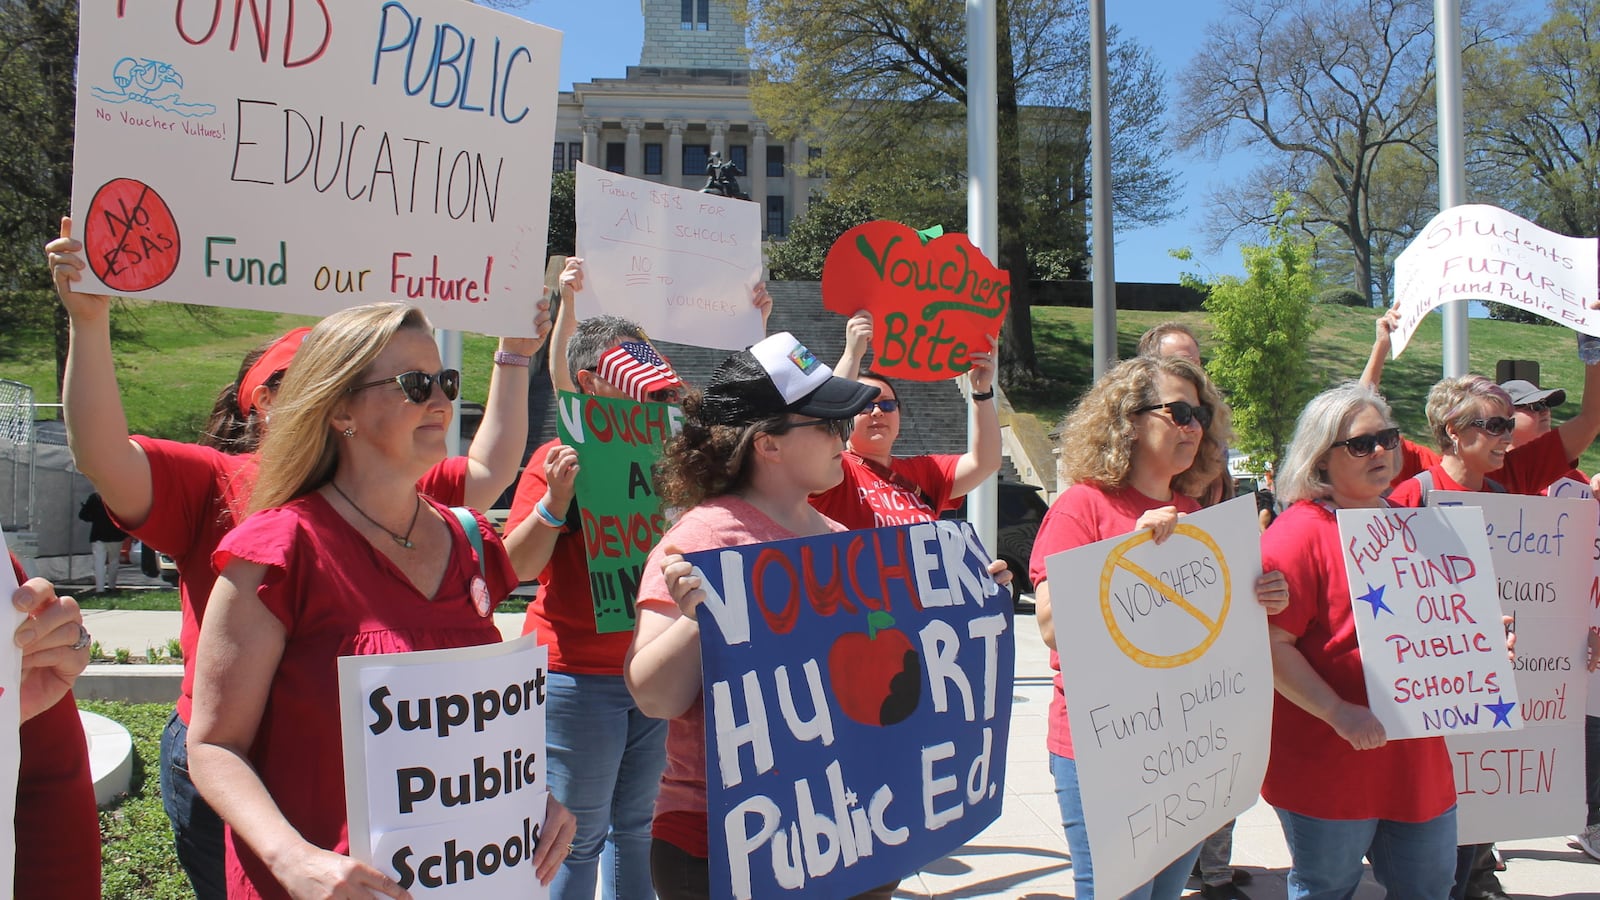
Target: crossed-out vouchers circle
column 1118, row 559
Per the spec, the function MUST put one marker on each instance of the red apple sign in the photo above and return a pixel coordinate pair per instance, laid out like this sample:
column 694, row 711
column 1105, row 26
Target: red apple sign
column 876, row 675
column 931, row 303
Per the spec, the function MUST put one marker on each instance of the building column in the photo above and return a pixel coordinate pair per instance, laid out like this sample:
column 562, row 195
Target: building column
column 591, row 143
column 799, row 185
column 758, row 169
column 719, row 130
column 674, row 168
column 633, row 151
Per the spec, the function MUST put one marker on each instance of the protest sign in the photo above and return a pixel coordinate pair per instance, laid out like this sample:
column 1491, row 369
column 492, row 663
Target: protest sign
column 444, row 766
column 1569, row 488
column 1530, row 783
column 857, row 706
column 1433, row 649
column 932, row 303
column 622, row 519
column 680, row 263
column 1168, row 682
column 1477, row 252
column 10, row 721
column 327, row 156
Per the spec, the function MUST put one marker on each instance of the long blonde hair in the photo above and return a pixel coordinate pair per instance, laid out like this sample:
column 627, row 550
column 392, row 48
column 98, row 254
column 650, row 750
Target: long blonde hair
column 300, row 452
column 1097, row 435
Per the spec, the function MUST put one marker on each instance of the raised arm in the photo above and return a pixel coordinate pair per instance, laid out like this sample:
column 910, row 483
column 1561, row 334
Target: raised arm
column 982, row 458
column 496, row 451
column 1578, row 432
column 857, row 338
column 762, row 301
column 662, row 668
column 531, row 543
column 1372, row 375
column 566, row 325
column 97, row 427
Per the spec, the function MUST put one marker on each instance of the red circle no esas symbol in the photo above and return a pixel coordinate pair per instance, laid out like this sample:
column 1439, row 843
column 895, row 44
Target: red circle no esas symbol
column 131, row 238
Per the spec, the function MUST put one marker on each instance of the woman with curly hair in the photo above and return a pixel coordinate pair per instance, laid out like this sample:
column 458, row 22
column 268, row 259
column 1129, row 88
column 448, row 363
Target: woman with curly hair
column 1145, row 439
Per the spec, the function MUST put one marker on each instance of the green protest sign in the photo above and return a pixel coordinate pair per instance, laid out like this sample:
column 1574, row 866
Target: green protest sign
column 617, row 443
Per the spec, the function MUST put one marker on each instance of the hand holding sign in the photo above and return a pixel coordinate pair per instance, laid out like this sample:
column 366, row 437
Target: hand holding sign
column 935, row 301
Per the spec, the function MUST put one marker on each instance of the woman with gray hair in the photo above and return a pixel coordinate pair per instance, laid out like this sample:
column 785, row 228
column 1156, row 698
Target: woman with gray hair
column 1341, row 790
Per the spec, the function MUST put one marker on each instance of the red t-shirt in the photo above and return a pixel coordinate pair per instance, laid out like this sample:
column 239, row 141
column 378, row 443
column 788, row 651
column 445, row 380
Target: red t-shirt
column 57, row 826
column 563, row 612
column 1528, row 469
column 338, row 596
column 912, row 489
column 1313, row 771
column 198, row 495
column 1414, row 458
column 1084, row 514
column 725, row 521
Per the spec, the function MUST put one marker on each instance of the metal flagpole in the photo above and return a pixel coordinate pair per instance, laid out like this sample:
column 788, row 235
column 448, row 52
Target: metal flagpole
column 1452, row 160
column 983, row 205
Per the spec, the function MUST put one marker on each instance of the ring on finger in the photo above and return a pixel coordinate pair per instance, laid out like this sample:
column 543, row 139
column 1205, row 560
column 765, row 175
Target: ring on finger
column 83, row 638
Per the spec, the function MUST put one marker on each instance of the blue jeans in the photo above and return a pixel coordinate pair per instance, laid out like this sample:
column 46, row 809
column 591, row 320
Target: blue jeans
column 196, row 828
column 1412, row 860
column 604, row 762
column 1168, row 883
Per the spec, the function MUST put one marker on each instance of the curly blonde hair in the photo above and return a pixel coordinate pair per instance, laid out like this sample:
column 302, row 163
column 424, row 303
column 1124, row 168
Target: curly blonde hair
column 1097, row 436
column 1454, row 402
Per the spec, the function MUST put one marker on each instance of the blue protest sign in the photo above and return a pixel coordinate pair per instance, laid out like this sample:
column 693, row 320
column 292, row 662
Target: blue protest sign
column 858, row 702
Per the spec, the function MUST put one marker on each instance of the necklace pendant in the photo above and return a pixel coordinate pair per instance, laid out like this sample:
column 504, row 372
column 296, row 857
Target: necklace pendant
column 404, row 542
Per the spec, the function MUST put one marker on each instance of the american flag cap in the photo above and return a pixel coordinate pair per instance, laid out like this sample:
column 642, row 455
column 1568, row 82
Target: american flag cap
column 636, row 369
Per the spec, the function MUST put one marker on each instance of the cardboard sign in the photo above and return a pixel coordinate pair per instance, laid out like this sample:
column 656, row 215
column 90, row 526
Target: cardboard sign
column 305, row 157
column 1530, row 783
column 1433, row 649
column 1477, row 252
column 1568, row 488
column 680, row 263
column 10, row 721
column 444, row 766
column 1168, row 680
column 931, row 303
column 622, row 519
column 857, row 702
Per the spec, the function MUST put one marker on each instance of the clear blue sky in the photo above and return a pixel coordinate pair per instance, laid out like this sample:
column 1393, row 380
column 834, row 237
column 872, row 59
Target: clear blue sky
column 602, row 38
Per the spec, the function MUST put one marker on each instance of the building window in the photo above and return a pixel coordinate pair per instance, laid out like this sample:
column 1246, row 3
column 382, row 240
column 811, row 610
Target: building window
column 694, row 158
column 814, row 163
column 616, row 156
column 696, row 15
column 652, row 159
column 740, row 154
column 775, row 227
column 558, row 162
column 574, row 154
column 775, row 162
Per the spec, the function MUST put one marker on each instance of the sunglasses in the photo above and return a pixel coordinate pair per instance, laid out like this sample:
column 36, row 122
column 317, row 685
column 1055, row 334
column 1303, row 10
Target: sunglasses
column 839, row 428
column 883, row 406
column 1537, row 406
column 419, row 385
column 1495, row 425
column 1183, row 412
column 1364, row 444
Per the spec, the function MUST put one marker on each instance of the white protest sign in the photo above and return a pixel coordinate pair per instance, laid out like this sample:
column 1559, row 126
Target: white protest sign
column 1428, row 621
column 680, row 263
column 1528, row 783
column 1477, row 252
column 1168, row 680
column 10, row 722
column 1569, row 488
column 444, row 766
column 328, row 155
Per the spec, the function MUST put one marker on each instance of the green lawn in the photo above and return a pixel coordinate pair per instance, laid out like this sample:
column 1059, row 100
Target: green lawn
column 137, row 859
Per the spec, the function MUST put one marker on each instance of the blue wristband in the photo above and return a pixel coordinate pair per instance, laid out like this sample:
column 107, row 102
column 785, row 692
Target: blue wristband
column 546, row 516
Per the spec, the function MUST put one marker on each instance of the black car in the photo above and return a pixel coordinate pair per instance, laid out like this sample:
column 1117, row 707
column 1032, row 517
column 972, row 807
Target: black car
column 1019, row 511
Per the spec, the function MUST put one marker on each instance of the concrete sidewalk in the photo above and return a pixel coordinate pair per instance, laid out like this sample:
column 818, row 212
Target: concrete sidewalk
column 1023, row 854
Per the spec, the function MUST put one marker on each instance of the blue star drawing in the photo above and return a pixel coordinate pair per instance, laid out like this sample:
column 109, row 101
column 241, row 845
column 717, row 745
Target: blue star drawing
column 1502, row 711
column 1374, row 596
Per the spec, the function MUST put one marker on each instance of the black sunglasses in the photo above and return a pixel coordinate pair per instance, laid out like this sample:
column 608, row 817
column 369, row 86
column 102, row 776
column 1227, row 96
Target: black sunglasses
column 1183, row 412
column 1364, row 444
column 839, row 428
column 1495, row 425
column 1537, row 406
column 419, row 385
column 883, row 406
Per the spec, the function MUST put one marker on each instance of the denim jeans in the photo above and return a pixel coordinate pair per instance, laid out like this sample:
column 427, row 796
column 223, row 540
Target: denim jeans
column 1168, row 883
column 604, row 762
column 196, row 829
column 1412, row 860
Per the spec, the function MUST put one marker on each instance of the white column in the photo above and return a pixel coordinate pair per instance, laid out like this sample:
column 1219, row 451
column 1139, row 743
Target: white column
column 757, row 176
column 591, row 142
column 633, row 151
column 719, row 130
column 674, row 166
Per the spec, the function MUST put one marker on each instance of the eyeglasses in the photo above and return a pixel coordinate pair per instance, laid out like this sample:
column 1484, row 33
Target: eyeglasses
column 839, row 428
column 1363, row 444
column 883, row 406
column 1537, row 406
column 1495, row 425
column 1183, row 412
column 419, row 385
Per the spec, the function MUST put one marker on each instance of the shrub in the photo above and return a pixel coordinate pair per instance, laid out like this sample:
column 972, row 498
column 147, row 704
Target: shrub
column 1343, row 296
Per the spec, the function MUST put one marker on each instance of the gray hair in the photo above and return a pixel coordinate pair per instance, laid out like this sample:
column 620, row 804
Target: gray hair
column 594, row 337
column 1304, row 475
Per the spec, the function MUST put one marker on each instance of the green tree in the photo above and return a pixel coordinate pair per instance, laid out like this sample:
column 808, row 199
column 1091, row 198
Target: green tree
column 562, row 236
column 1261, row 328
column 799, row 257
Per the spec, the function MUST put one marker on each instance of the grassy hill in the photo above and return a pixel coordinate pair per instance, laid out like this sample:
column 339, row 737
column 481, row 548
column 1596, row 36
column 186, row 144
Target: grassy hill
column 173, row 358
